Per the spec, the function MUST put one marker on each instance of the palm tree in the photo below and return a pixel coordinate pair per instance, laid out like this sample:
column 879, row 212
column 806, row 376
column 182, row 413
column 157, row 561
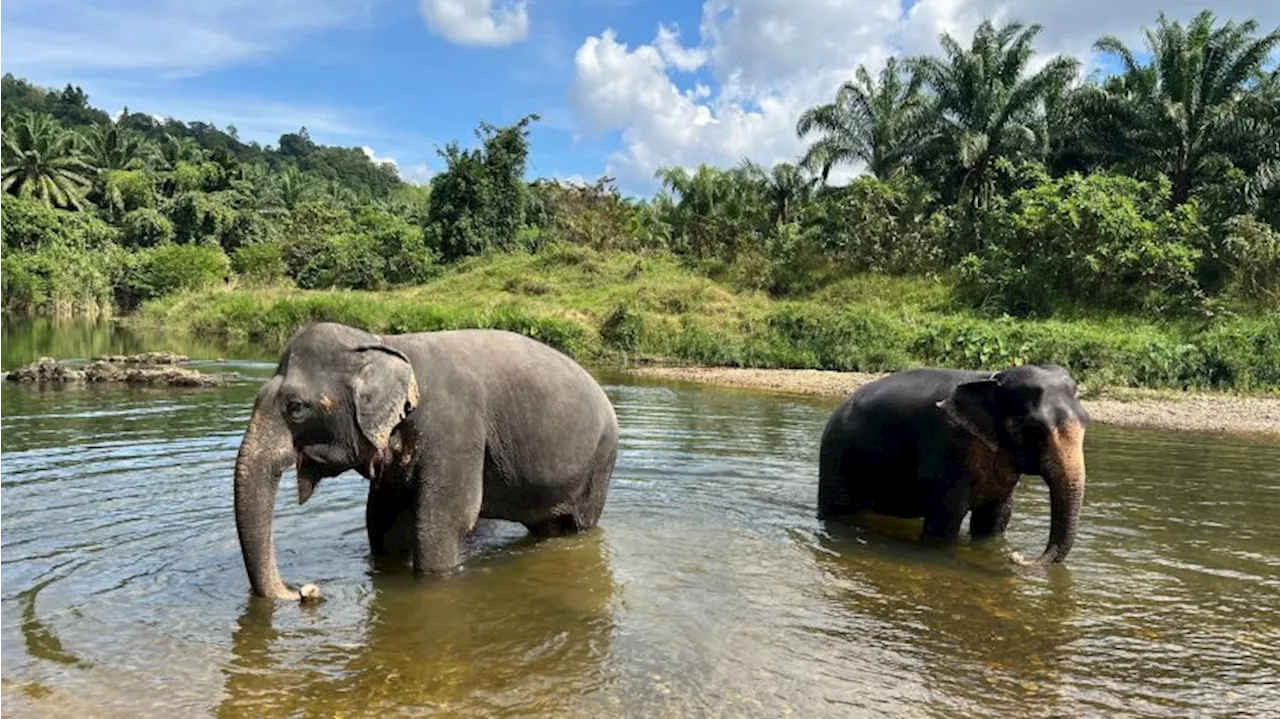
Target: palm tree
column 43, row 160
column 174, row 149
column 875, row 123
column 294, row 187
column 713, row 212
column 985, row 106
column 785, row 189
column 1192, row 107
column 111, row 147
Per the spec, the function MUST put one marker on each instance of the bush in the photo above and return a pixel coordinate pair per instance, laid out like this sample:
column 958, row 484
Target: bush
column 1250, row 255
column 200, row 218
column 145, row 228
column 374, row 250
column 177, row 268
column 128, row 190
column 60, row 280
column 28, row 224
column 622, row 328
column 1101, row 241
column 260, row 264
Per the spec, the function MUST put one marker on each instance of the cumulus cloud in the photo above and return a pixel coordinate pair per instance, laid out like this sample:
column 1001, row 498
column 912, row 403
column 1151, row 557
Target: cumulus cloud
column 417, row 173
column 679, row 57
column 772, row 59
column 477, row 22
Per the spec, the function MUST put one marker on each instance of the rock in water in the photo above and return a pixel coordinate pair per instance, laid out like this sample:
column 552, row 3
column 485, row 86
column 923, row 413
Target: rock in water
column 157, row 369
column 145, row 358
column 45, row 369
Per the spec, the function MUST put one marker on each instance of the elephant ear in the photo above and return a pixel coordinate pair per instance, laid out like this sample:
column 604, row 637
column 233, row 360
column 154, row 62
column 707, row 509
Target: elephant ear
column 974, row 406
column 385, row 390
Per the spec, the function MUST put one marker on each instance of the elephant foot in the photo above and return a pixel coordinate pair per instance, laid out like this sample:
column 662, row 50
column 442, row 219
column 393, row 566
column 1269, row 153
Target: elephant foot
column 309, row 593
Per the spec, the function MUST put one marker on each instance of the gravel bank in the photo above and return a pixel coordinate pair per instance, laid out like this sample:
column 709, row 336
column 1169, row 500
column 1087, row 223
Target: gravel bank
column 1129, row 408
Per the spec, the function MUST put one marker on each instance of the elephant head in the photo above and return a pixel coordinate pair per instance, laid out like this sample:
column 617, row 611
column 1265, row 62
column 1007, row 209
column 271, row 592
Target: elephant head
column 334, row 403
column 1032, row 415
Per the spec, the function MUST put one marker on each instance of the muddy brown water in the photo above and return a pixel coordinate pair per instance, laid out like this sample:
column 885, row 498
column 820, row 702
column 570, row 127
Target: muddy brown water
column 708, row 590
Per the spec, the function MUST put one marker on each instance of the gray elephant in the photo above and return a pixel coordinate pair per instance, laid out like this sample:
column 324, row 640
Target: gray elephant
column 939, row 444
column 447, row 427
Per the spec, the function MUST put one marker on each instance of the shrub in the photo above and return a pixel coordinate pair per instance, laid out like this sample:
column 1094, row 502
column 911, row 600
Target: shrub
column 374, row 250
column 1250, row 255
column 260, row 263
column 177, row 268
column 145, row 228
column 28, row 224
column 622, row 328
column 60, row 280
column 1102, row 241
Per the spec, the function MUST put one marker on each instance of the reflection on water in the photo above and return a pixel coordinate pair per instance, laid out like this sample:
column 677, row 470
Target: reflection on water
column 439, row 645
column 709, row 589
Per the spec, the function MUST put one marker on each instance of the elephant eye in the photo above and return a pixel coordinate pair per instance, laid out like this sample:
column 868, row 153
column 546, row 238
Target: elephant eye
column 295, row 409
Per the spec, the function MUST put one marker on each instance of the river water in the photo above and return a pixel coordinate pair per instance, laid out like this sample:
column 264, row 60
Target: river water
column 708, row 590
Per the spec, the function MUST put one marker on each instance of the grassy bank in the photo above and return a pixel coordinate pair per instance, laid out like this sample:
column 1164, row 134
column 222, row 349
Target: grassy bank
column 622, row 307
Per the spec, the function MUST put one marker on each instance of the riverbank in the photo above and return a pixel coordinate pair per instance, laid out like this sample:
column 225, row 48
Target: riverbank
column 1185, row 411
column 625, row 309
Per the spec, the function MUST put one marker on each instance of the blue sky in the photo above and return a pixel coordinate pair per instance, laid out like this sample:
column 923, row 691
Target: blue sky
column 623, row 86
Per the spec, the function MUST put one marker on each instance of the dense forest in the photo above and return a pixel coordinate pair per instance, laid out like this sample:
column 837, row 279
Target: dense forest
column 1152, row 191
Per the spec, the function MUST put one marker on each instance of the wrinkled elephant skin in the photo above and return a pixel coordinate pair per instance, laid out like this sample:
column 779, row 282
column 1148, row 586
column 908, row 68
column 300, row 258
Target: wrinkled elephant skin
column 940, row 444
column 448, row 427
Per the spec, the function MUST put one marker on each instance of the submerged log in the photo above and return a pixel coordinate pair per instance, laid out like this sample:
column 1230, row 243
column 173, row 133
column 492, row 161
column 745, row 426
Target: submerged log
column 157, row 369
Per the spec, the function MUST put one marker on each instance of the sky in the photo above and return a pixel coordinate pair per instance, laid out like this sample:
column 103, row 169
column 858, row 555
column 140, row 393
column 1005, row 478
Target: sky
column 623, row 87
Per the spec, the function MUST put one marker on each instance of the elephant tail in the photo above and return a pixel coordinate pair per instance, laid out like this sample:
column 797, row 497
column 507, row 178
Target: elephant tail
column 596, row 490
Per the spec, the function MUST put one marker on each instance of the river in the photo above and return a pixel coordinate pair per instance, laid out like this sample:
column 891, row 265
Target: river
column 708, row 590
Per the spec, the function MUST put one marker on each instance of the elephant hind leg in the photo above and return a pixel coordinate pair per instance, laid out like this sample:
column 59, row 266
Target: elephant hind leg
column 557, row 526
column 842, row 488
column 584, row 511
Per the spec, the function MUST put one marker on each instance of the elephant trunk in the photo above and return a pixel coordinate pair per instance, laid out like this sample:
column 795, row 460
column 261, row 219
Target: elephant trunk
column 1064, row 472
column 265, row 452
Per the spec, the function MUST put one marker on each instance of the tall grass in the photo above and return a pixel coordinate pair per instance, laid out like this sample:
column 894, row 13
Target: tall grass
column 622, row 307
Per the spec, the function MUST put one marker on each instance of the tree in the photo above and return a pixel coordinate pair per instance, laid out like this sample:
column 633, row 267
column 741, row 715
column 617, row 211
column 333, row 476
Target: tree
column 985, row 106
column 293, row 187
column 175, row 149
column 875, row 123
column 110, row 147
column 43, row 160
column 1185, row 112
column 478, row 202
column 785, row 189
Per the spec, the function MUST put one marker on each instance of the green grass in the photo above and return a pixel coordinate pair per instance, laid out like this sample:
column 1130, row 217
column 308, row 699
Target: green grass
column 622, row 307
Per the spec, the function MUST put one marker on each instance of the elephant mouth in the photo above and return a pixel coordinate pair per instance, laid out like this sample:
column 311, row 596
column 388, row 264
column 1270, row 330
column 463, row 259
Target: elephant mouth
column 317, row 462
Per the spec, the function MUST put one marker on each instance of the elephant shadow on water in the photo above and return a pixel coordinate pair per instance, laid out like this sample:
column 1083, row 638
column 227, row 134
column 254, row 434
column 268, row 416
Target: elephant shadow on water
column 981, row 635
column 525, row 630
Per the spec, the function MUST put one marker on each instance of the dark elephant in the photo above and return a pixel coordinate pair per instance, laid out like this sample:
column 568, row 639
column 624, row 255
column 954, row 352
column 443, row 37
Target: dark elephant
column 939, row 443
column 447, row 427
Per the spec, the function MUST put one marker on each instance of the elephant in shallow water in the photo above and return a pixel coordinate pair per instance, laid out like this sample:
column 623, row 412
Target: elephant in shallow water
column 447, row 427
column 939, row 444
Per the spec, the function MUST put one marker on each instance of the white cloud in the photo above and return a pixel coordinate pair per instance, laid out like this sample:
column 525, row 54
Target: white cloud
column 417, row 173
column 679, row 57
column 52, row 38
column 771, row 59
column 477, row 22
column 373, row 157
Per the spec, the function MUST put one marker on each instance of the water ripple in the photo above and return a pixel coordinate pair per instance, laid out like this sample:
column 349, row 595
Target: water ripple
column 710, row 589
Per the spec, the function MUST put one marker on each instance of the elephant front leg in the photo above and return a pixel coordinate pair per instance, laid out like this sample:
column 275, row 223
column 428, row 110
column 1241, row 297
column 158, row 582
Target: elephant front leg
column 992, row 518
column 389, row 519
column 448, row 505
column 945, row 507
